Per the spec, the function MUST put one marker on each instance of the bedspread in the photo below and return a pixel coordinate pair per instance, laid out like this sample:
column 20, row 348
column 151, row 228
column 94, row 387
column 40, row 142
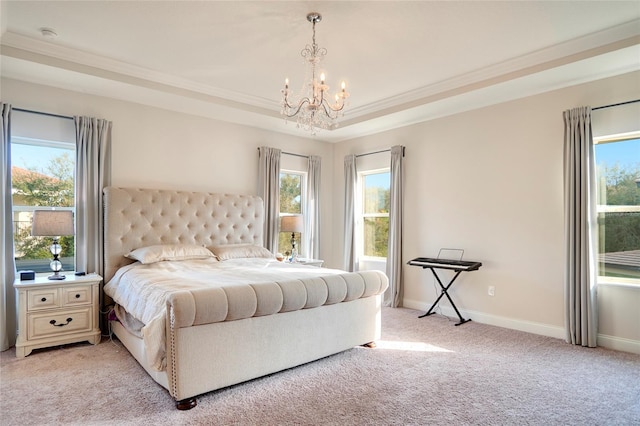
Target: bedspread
column 208, row 291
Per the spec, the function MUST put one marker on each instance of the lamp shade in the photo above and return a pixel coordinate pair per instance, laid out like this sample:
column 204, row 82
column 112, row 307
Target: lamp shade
column 291, row 224
column 52, row 223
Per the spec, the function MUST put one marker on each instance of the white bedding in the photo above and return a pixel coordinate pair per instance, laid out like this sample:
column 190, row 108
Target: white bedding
column 143, row 290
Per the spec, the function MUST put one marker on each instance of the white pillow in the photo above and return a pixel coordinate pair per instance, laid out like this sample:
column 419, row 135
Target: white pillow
column 235, row 251
column 158, row 253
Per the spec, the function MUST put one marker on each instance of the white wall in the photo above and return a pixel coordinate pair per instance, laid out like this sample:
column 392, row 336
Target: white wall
column 490, row 181
column 155, row 148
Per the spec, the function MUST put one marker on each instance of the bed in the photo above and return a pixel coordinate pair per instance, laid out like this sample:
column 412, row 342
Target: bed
column 224, row 311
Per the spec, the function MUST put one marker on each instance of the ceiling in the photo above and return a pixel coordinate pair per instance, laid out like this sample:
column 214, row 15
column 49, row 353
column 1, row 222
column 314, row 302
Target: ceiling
column 404, row 62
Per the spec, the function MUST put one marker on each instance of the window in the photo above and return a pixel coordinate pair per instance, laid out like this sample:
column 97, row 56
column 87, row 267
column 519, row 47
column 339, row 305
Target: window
column 374, row 191
column 618, row 199
column 42, row 174
column 292, row 186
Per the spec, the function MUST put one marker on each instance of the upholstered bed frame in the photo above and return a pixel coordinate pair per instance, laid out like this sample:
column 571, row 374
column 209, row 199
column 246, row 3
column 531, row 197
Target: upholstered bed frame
column 202, row 358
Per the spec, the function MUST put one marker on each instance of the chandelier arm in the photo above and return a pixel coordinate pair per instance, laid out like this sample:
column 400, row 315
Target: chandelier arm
column 300, row 105
column 325, row 105
column 337, row 109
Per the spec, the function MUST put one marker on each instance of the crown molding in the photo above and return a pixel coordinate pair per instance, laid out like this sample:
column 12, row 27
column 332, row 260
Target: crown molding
column 604, row 41
column 48, row 53
column 598, row 67
column 13, row 43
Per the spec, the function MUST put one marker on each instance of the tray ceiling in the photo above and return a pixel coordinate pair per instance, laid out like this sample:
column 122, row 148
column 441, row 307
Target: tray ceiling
column 404, row 62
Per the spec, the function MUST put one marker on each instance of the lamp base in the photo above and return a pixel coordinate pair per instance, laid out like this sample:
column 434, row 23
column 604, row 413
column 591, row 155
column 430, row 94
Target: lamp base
column 57, row 277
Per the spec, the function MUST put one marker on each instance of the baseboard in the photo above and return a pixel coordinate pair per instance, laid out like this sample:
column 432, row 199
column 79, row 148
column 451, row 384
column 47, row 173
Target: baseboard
column 619, row 343
column 484, row 318
column 609, row 342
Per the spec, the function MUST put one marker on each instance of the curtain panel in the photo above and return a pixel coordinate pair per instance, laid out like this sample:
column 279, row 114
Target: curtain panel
column 580, row 224
column 8, row 324
column 93, row 173
column 350, row 182
column 394, row 294
column 312, row 212
column 269, row 190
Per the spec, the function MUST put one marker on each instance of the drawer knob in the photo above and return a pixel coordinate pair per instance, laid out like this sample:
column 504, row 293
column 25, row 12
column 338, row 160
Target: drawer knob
column 77, row 296
column 53, row 322
column 44, row 299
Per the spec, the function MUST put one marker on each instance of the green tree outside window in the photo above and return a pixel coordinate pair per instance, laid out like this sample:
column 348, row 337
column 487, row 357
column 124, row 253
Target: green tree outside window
column 619, row 206
column 52, row 186
column 290, row 203
column 375, row 217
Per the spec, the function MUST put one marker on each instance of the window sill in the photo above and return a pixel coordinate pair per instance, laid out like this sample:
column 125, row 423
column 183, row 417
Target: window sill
column 619, row 282
column 368, row 263
column 373, row 259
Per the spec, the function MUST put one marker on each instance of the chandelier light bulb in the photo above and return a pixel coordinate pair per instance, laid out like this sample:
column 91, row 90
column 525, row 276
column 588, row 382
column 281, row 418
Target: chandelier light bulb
column 313, row 110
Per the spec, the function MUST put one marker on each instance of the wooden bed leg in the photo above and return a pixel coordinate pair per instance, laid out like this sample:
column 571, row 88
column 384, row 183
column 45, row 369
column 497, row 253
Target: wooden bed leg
column 186, row 404
column 370, row 345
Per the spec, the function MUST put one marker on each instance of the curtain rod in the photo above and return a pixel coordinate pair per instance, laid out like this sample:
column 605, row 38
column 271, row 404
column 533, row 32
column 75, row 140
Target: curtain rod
column 42, row 113
column 615, row 105
column 292, row 153
column 371, row 153
column 378, row 152
column 295, row 155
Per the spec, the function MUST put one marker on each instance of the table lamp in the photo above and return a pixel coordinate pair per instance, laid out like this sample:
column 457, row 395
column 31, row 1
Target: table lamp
column 292, row 224
column 53, row 223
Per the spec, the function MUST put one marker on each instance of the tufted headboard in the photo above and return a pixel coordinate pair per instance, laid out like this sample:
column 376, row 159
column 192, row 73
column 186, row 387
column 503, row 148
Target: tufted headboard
column 135, row 218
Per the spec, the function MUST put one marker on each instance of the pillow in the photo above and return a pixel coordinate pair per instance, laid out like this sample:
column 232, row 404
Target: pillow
column 235, row 251
column 152, row 254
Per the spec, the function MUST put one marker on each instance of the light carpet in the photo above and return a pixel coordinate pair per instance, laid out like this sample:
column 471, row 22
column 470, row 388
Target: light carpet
column 424, row 372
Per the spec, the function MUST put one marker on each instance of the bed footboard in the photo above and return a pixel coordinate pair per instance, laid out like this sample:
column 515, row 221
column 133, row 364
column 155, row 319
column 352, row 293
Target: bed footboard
column 207, row 357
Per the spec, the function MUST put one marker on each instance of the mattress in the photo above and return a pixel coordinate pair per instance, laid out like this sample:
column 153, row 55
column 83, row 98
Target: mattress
column 208, row 291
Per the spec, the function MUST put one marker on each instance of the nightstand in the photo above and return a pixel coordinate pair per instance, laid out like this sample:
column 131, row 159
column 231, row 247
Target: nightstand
column 312, row 262
column 52, row 313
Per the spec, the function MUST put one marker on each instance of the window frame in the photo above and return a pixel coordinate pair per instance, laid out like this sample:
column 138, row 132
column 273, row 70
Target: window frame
column 361, row 215
column 303, row 205
column 17, row 208
column 604, row 208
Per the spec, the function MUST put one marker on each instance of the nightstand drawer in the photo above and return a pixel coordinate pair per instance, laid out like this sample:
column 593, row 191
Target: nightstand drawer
column 51, row 324
column 42, row 299
column 76, row 296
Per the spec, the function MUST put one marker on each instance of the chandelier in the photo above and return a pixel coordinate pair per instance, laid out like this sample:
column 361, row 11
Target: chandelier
column 313, row 111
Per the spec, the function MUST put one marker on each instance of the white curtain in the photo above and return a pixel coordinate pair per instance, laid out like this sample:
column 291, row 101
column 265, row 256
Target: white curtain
column 7, row 260
column 580, row 228
column 93, row 173
column 312, row 211
column 350, row 182
column 269, row 190
column 393, row 295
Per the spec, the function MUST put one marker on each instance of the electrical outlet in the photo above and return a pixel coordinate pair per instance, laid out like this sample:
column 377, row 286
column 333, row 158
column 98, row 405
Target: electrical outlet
column 492, row 290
